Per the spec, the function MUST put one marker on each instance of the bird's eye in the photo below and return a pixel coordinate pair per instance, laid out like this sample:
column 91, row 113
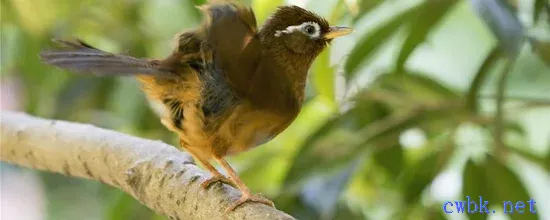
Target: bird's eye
column 309, row 29
column 312, row 29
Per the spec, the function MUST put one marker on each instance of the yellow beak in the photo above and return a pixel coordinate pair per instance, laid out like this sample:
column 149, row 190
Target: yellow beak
column 335, row 32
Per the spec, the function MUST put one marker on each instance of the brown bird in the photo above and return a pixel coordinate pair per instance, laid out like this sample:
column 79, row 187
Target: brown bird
column 227, row 86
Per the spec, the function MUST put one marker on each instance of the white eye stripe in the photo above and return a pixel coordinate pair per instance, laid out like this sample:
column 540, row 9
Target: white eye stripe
column 301, row 27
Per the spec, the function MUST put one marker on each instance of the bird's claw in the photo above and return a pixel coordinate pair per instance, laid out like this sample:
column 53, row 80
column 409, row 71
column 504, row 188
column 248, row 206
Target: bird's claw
column 250, row 198
column 217, row 179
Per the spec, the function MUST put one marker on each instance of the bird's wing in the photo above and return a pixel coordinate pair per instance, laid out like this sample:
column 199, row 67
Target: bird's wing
column 80, row 57
column 231, row 34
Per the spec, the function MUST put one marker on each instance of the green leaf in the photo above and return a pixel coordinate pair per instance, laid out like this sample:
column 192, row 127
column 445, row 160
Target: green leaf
column 264, row 8
column 419, row 86
column 430, row 14
column 418, row 176
column 409, row 91
column 391, row 159
column 503, row 22
column 365, row 6
column 480, row 77
column 474, row 185
column 538, row 6
column 323, row 76
column 370, row 43
column 542, row 48
column 498, row 173
column 497, row 184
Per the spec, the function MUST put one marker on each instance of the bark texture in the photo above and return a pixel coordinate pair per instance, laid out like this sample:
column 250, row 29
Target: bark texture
column 158, row 175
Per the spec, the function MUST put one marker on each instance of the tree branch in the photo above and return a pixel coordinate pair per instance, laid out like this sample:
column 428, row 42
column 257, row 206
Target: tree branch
column 158, row 175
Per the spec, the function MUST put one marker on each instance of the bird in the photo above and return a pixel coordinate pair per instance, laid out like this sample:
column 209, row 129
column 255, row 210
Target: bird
column 227, row 86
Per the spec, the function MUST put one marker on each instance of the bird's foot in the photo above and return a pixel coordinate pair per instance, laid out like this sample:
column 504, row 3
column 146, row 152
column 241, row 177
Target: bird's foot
column 250, row 198
column 217, row 179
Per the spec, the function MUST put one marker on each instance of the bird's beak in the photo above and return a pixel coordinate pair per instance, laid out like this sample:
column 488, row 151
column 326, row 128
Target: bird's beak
column 335, row 32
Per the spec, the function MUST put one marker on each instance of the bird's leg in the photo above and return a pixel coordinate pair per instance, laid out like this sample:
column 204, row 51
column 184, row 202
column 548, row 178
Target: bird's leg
column 247, row 195
column 216, row 175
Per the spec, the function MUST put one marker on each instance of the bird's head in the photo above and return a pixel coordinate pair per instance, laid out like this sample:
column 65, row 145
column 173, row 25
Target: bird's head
column 299, row 31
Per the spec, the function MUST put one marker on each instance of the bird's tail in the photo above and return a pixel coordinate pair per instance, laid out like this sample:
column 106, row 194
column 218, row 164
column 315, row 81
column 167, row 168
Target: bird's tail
column 80, row 57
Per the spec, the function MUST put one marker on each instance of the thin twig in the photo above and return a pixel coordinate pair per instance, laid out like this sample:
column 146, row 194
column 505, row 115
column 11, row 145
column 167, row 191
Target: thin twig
column 500, row 100
column 528, row 100
column 480, row 78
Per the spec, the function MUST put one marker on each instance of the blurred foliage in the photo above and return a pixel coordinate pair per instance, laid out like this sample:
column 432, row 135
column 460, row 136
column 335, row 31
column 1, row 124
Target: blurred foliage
column 421, row 89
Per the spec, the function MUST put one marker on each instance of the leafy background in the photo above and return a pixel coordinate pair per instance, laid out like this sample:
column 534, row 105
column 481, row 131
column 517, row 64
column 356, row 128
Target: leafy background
column 427, row 101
